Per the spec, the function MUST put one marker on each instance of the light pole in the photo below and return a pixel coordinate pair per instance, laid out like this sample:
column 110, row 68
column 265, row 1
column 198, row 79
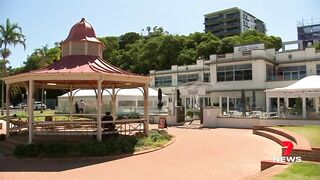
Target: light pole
column 45, row 97
column 41, row 101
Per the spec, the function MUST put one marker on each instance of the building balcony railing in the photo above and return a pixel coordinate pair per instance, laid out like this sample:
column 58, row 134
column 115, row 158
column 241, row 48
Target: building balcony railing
column 231, row 18
column 213, row 21
column 244, row 55
column 214, row 28
column 232, row 25
column 283, row 78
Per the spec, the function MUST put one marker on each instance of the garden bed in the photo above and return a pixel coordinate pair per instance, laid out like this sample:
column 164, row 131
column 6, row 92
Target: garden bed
column 114, row 145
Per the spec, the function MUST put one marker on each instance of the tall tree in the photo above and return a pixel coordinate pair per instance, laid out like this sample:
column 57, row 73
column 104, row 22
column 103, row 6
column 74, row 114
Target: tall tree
column 42, row 57
column 10, row 34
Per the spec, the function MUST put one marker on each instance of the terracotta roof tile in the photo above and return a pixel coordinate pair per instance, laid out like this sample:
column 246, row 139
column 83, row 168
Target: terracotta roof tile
column 83, row 64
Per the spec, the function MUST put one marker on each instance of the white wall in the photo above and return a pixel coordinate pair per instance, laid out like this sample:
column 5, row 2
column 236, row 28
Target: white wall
column 3, row 130
column 91, row 103
column 250, row 122
column 308, row 53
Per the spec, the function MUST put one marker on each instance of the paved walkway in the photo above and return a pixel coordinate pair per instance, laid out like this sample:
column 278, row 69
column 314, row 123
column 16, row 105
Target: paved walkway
column 196, row 154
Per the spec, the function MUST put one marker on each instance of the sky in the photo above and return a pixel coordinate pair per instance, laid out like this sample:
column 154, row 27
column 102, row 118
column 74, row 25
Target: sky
column 46, row 22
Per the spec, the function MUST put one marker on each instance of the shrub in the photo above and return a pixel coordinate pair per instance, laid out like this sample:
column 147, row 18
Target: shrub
column 2, row 137
column 111, row 145
column 197, row 113
column 190, row 113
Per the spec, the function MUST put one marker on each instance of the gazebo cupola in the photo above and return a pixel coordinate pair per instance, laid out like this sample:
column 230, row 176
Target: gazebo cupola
column 82, row 41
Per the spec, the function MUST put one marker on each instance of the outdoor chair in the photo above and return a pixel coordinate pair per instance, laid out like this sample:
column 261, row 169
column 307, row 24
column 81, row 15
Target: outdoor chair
column 18, row 125
column 225, row 114
column 273, row 115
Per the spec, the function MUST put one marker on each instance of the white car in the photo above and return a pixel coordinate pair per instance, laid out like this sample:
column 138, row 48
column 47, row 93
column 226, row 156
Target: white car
column 38, row 105
column 20, row 106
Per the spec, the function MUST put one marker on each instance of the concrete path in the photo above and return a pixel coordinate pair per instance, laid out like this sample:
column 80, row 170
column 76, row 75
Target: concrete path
column 196, row 154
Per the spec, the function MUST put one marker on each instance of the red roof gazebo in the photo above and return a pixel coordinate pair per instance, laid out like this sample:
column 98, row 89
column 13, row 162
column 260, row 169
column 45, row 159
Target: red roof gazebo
column 81, row 67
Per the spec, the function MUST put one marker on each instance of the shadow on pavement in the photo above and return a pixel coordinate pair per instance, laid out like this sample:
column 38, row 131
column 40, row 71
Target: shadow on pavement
column 11, row 164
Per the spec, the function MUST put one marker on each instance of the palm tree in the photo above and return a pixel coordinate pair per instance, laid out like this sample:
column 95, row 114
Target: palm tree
column 10, row 34
column 44, row 55
column 47, row 55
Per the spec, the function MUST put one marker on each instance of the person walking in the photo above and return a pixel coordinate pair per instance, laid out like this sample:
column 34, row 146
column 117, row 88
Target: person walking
column 76, row 106
column 81, row 107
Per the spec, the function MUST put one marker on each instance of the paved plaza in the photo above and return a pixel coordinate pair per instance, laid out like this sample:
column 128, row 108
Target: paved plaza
column 196, row 154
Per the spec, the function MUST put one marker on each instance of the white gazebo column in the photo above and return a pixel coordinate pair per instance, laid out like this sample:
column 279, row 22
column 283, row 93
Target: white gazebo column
column 71, row 104
column 287, row 102
column 220, row 101
column 30, row 109
column 7, row 110
column 267, row 104
column 228, row 106
column 113, row 98
column 278, row 105
column 99, row 129
column 304, row 108
column 146, row 109
column 317, row 105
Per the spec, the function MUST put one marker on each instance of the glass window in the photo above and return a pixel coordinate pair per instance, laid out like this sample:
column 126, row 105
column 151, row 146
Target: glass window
column 291, row 73
column 247, row 75
column 221, row 76
column 270, row 72
column 127, row 103
column 318, row 69
column 187, row 78
column 234, row 72
column 163, row 81
column 229, row 76
column 238, row 75
column 206, row 77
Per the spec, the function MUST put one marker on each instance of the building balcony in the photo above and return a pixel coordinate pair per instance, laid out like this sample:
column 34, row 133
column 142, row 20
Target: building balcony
column 231, row 18
column 254, row 54
column 233, row 24
column 214, row 28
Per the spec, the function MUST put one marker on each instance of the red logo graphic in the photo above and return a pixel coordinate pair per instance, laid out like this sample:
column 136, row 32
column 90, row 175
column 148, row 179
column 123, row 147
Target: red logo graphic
column 289, row 146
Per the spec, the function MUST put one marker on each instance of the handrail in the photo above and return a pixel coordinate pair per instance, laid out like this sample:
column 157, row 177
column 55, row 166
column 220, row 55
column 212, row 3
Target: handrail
column 87, row 122
column 67, row 115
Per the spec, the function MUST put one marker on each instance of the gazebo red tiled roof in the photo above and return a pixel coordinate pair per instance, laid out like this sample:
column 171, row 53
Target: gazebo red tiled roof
column 83, row 64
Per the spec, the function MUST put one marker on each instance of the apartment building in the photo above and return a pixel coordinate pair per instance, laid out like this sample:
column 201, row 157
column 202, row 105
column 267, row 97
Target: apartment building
column 308, row 33
column 232, row 21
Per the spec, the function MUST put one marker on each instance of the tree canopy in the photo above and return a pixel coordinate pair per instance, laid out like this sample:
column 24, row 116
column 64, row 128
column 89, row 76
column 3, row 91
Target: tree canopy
column 158, row 49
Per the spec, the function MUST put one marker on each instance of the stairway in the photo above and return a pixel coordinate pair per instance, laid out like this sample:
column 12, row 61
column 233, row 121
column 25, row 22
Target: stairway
column 279, row 135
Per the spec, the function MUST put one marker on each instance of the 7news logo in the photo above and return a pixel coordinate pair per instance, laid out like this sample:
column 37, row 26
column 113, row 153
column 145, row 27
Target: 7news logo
column 288, row 145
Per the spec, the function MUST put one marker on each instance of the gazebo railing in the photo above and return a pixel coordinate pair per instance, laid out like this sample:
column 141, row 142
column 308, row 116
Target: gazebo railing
column 125, row 127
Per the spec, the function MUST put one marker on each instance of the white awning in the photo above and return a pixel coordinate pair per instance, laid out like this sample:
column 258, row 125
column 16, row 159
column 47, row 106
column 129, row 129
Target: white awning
column 308, row 87
column 197, row 88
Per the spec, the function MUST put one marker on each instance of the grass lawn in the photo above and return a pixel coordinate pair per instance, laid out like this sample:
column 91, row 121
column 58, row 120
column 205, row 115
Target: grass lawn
column 23, row 115
column 311, row 132
column 304, row 170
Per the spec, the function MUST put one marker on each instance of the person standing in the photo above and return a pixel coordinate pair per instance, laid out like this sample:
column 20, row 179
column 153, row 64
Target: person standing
column 81, row 107
column 76, row 106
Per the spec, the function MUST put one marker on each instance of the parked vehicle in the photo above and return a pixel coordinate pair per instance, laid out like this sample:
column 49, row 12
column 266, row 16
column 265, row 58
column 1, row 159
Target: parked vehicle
column 10, row 106
column 20, row 106
column 38, row 105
